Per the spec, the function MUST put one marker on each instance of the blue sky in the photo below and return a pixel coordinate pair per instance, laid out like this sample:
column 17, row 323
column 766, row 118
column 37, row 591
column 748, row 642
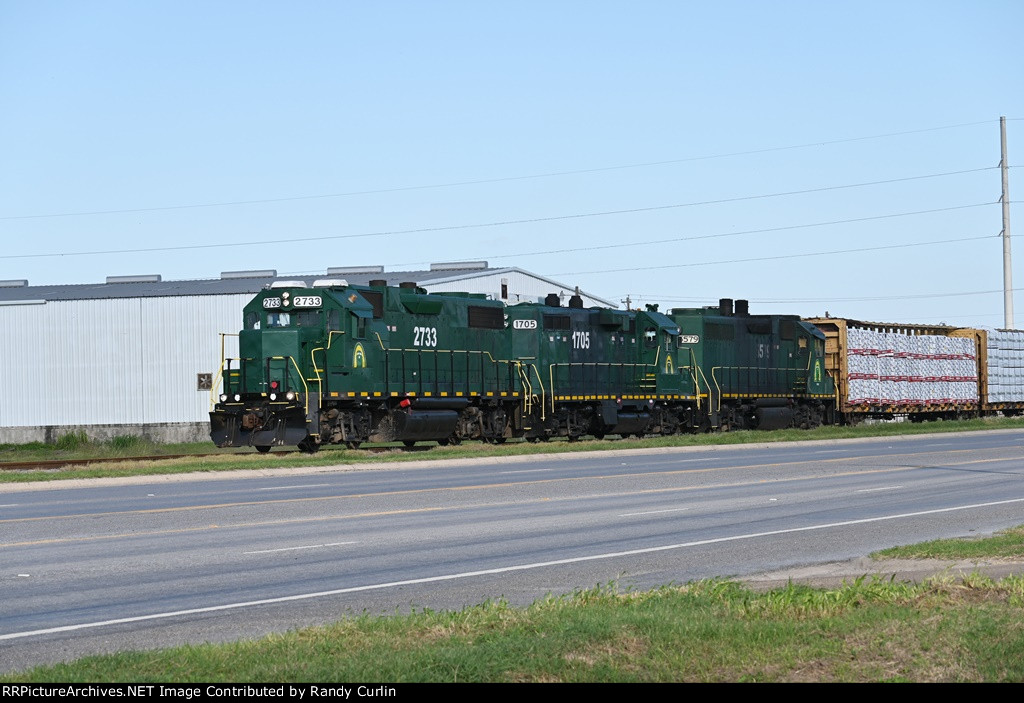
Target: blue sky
column 674, row 152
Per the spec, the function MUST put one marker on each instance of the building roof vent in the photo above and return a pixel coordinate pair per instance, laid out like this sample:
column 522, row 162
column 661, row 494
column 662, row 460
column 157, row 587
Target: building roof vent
column 155, row 278
column 349, row 270
column 267, row 273
column 459, row 266
column 14, row 283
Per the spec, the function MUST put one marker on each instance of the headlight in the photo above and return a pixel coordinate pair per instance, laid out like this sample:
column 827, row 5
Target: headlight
column 238, row 398
column 290, row 395
column 223, row 397
column 273, row 396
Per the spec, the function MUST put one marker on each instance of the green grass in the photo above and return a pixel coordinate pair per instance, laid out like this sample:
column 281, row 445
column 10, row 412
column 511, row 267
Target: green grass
column 1007, row 544
column 120, row 449
column 868, row 630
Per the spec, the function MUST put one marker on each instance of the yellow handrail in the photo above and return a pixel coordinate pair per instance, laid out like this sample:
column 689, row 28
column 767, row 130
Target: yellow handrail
column 744, row 368
column 312, row 359
column 218, row 378
column 524, row 377
column 701, row 372
column 298, row 371
column 540, row 382
column 551, row 372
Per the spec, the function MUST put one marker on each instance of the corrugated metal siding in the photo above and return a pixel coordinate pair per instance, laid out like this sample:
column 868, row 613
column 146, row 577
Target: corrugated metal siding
column 127, row 361
column 180, row 339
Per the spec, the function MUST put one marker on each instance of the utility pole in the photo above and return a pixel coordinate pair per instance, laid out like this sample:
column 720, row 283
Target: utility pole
column 1007, row 266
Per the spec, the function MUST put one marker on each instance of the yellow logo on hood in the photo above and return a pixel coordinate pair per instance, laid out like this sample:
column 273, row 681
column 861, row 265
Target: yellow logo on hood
column 358, row 357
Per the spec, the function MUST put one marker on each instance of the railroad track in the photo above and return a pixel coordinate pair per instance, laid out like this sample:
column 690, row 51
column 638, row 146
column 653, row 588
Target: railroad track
column 50, row 465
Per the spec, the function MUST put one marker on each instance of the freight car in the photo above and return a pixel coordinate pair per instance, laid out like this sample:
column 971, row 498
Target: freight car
column 922, row 372
column 350, row 364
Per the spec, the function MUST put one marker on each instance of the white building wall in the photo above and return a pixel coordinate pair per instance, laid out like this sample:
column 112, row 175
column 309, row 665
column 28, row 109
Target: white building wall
column 180, row 338
column 114, row 361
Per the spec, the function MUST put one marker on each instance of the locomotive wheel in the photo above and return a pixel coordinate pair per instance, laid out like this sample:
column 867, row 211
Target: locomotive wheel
column 410, row 443
column 263, row 448
column 353, row 445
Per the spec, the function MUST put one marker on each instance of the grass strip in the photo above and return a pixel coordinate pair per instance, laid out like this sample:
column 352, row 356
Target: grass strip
column 237, row 459
column 1008, row 544
column 867, row 630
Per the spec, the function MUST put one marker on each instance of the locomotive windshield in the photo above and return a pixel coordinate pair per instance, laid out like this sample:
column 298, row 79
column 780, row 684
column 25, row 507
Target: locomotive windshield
column 301, row 318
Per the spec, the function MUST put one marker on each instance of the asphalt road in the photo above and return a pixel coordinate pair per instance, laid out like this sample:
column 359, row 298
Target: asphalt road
column 104, row 565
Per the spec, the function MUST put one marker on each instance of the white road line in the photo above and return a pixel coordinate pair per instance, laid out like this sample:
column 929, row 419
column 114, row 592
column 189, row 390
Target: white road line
column 670, row 462
column 881, row 488
column 524, row 471
column 491, row 572
column 10, row 505
column 285, row 488
column 292, row 549
column 654, row 512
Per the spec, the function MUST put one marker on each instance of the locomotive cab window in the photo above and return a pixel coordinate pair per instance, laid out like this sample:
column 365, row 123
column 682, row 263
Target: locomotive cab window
column 308, row 318
column 801, row 342
column 651, row 337
column 252, row 320
column 279, row 319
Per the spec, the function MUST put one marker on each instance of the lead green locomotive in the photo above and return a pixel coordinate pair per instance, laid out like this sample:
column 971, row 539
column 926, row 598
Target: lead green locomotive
column 347, row 364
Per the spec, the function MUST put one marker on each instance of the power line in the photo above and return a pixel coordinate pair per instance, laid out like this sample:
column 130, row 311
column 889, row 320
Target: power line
column 674, row 240
column 500, row 223
column 503, row 179
column 773, row 258
column 784, row 301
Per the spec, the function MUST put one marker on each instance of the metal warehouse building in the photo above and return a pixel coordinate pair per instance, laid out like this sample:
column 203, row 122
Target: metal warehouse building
column 137, row 354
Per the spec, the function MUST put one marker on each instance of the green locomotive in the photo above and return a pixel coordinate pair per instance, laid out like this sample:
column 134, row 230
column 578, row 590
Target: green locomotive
column 598, row 371
column 347, row 364
column 757, row 371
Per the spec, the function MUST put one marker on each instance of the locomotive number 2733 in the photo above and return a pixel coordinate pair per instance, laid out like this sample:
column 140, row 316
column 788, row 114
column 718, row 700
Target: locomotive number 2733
column 424, row 336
